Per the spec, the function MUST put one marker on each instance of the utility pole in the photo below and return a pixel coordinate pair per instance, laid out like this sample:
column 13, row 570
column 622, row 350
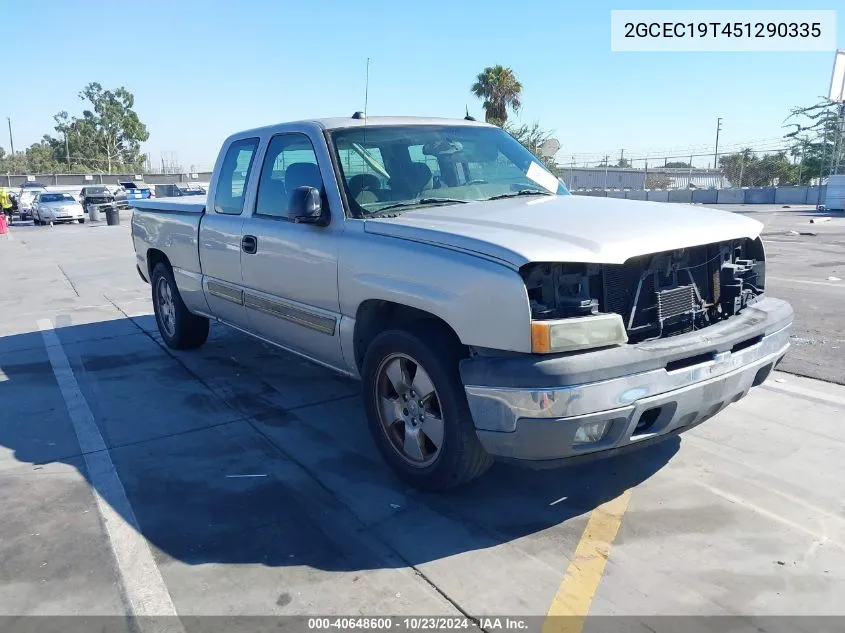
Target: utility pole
column 801, row 164
column 689, row 176
column 67, row 153
column 11, row 140
column 621, row 157
column 716, row 152
column 606, row 160
column 821, row 167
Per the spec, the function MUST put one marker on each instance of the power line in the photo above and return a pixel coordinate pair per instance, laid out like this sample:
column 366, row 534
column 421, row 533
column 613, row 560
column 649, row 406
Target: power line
column 775, row 143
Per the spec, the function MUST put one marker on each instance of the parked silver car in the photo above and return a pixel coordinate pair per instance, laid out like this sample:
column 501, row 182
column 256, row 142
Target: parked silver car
column 52, row 206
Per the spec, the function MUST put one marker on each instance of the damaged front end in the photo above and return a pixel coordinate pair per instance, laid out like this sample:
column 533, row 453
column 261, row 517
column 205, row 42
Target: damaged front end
column 657, row 295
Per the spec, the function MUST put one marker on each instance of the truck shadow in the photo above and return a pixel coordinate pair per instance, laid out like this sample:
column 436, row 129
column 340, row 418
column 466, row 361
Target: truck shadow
column 238, row 453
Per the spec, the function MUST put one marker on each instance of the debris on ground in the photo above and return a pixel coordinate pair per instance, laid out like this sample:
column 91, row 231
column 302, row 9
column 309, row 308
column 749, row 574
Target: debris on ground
column 832, row 278
column 780, row 562
column 819, row 220
column 793, row 233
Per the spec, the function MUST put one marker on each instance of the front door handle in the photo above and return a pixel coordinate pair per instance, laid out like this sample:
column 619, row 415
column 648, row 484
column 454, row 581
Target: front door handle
column 249, row 244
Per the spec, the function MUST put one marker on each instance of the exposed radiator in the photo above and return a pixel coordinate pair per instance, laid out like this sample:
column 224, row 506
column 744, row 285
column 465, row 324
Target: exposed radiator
column 675, row 302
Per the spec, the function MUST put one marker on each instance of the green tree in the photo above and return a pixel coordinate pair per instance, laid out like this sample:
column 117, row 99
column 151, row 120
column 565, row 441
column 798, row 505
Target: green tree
column 740, row 168
column 108, row 135
column 500, row 90
column 41, row 157
column 814, row 137
column 532, row 137
column 15, row 164
column 745, row 169
column 775, row 169
column 658, row 181
column 623, row 162
column 677, row 164
column 77, row 147
column 117, row 132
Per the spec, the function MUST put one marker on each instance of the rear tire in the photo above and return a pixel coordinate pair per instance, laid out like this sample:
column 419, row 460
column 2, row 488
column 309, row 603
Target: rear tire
column 179, row 328
column 459, row 458
column 82, row 221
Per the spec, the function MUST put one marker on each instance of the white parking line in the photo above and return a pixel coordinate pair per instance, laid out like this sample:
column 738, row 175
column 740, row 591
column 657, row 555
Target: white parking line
column 833, row 399
column 801, row 282
column 142, row 582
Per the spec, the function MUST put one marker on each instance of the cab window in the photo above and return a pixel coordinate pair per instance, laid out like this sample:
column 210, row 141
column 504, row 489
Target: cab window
column 290, row 163
column 234, row 174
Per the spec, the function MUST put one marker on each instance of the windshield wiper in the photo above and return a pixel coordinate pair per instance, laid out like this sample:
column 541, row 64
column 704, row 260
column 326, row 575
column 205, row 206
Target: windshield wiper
column 521, row 192
column 415, row 203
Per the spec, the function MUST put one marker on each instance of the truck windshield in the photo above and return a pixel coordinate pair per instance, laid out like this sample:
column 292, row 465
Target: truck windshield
column 403, row 167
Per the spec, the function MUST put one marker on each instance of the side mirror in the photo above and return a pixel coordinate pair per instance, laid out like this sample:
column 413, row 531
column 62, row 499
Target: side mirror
column 306, row 206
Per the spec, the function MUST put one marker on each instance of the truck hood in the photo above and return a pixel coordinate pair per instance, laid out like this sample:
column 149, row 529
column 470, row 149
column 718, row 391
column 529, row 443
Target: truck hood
column 577, row 229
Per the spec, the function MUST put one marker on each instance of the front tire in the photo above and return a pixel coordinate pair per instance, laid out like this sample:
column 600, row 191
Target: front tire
column 82, row 220
column 417, row 409
column 179, row 328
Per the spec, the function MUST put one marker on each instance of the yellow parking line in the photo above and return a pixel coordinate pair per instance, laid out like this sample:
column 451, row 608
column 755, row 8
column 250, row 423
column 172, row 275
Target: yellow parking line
column 575, row 595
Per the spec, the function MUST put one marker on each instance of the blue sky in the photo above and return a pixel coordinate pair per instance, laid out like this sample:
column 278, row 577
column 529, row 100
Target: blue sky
column 202, row 70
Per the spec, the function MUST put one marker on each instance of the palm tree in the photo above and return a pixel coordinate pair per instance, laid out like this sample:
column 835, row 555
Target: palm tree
column 500, row 89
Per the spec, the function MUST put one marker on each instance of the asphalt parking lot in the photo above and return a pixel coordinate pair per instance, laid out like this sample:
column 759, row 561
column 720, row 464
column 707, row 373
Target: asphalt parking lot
column 806, row 265
column 239, row 480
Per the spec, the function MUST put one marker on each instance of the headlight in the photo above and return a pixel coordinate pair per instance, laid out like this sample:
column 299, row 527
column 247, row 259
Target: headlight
column 577, row 333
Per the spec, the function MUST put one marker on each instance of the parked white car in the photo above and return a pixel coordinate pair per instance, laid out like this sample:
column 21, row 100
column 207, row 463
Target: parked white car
column 26, row 197
column 52, row 206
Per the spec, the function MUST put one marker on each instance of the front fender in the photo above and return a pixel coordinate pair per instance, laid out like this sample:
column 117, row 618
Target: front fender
column 484, row 302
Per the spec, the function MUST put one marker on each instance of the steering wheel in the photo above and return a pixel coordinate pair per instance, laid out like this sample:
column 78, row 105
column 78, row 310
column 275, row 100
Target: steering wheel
column 478, row 182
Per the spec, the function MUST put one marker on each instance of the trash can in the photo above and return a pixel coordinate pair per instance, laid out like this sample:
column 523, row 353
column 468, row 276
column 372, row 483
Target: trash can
column 112, row 216
column 93, row 212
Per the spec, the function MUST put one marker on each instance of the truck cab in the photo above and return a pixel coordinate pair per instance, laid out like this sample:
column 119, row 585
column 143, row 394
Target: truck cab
column 487, row 312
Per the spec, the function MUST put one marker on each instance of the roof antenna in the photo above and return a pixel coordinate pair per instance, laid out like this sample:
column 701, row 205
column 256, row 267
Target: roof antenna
column 366, row 88
column 468, row 117
column 363, row 115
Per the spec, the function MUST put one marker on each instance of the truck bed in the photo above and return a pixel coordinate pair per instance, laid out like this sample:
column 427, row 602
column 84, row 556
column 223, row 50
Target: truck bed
column 171, row 226
column 175, row 204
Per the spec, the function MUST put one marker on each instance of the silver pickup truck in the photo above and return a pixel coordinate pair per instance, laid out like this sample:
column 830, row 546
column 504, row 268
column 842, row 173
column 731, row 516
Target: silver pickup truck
column 488, row 312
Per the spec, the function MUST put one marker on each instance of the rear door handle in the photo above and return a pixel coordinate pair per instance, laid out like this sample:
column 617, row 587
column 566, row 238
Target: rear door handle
column 249, row 244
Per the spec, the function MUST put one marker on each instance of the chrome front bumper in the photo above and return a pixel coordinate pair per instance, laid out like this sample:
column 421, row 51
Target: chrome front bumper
column 540, row 424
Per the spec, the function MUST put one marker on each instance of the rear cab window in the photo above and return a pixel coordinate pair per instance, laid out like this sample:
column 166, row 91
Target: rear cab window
column 233, row 177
